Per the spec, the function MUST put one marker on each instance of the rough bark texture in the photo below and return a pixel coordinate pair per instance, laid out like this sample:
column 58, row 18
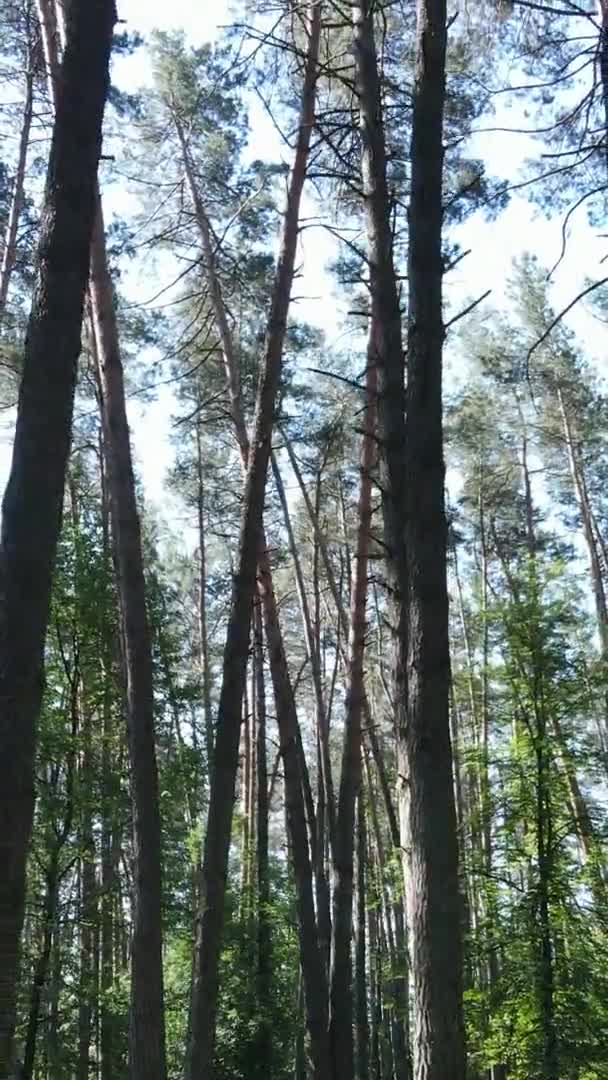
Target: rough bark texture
column 221, row 802
column 147, row 1040
column 32, row 506
column 434, row 899
column 341, row 993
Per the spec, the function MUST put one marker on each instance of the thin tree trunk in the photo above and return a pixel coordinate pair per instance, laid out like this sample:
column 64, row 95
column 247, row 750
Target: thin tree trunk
column 9, row 249
column 434, row 895
column 108, row 824
column 597, row 580
column 233, row 384
column 217, row 843
column 326, row 807
column 361, row 986
column 312, row 650
column 544, row 817
column 147, row 1038
column 311, row 956
column 287, row 714
column 88, row 907
column 263, row 1044
column 32, row 506
column 341, row 993
column 202, row 602
column 52, row 882
column 386, row 316
column 396, row 946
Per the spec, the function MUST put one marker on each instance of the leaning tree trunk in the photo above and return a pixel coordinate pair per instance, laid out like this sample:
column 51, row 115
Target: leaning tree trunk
column 434, row 897
column 233, row 385
column 284, row 694
column 32, row 505
column 341, row 991
column 147, row 1037
column 225, row 759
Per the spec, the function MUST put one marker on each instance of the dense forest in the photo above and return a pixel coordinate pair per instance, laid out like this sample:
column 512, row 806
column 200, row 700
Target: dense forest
column 304, row 705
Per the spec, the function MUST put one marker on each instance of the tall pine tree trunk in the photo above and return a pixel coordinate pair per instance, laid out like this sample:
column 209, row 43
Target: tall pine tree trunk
column 32, row 507
column 147, row 1038
column 225, row 760
column 362, row 1040
column 341, row 992
column 263, row 1043
column 433, row 886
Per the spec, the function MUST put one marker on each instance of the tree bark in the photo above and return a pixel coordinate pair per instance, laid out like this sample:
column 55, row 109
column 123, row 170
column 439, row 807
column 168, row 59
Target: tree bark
column 88, row 905
column 263, row 1045
column 32, row 507
column 147, row 1038
column 221, row 802
column 53, row 877
column 202, row 601
column 361, row 991
column 313, row 654
column 433, row 888
column 341, row 992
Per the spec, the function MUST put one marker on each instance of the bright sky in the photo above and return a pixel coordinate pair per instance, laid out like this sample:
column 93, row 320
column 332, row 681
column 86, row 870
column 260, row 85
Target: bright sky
column 493, row 244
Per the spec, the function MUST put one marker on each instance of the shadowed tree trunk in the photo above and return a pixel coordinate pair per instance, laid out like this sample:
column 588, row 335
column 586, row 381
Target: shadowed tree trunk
column 31, row 514
column 53, row 875
column 361, row 990
column 341, row 992
column 225, row 761
column 433, row 889
column 263, row 1047
column 147, row 1039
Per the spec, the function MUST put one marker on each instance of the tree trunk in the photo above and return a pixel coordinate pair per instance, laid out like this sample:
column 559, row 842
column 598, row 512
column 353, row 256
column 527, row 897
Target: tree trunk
column 147, row 1038
column 361, row 992
column 52, row 882
column 313, row 653
column 434, row 896
column 580, row 492
column 263, row 1044
column 9, row 252
column 544, row 815
column 325, row 815
column 88, row 907
column 202, row 601
column 32, row 506
column 233, row 384
column 221, row 802
column 341, row 994
column 311, row 956
column 396, row 947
